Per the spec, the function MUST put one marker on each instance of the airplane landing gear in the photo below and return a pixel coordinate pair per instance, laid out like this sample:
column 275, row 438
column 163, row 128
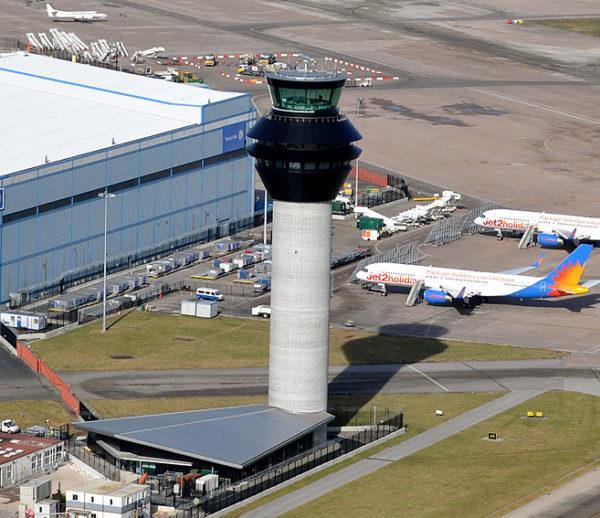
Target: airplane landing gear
column 499, row 234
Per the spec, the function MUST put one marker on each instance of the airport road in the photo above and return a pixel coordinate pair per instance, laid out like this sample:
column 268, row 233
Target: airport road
column 369, row 465
column 19, row 381
column 498, row 376
column 579, row 498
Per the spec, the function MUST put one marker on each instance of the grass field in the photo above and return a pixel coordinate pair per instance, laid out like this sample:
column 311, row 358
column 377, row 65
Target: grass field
column 590, row 27
column 31, row 412
column 419, row 413
column 158, row 341
column 465, row 476
column 419, row 408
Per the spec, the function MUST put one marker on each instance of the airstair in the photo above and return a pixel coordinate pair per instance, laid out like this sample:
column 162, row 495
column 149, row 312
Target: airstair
column 527, row 239
column 413, row 295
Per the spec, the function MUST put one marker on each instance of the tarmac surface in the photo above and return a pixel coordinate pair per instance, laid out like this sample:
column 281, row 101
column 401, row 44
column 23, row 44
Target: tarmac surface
column 496, row 376
column 19, row 381
column 579, row 498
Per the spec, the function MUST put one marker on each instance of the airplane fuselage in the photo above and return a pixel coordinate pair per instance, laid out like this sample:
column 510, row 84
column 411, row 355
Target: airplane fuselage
column 483, row 284
column 519, row 221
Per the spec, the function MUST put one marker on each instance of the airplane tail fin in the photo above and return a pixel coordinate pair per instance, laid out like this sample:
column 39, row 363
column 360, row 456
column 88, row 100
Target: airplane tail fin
column 50, row 10
column 565, row 277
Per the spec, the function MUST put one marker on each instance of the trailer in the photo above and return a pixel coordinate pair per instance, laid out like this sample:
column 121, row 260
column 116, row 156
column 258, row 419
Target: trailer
column 24, row 320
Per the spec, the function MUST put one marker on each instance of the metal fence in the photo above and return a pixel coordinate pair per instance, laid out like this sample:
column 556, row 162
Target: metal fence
column 8, row 44
column 196, row 506
column 374, row 199
column 406, row 253
column 450, row 229
column 105, row 468
column 353, row 416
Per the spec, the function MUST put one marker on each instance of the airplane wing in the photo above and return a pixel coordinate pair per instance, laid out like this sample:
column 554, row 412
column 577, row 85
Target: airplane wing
column 569, row 236
column 459, row 294
column 523, row 269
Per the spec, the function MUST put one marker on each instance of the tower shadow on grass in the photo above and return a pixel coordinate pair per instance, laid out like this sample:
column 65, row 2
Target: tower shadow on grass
column 374, row 360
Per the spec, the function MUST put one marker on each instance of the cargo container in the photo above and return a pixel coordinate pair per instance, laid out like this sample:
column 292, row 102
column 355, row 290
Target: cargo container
column 199, row 308
column 368, row 223
column 69, row 302
column 24, row 320
column 224, row 247
column 370, row 235
column 262, row 285
column 244, row 260
column 229, row 267
column 245, row 274
column 133, row 283
column 158, row 268
column 187, row 258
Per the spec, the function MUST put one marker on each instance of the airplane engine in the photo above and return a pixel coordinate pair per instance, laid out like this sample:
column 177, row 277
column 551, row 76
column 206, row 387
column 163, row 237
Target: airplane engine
column 550, row 241
column 436, row 297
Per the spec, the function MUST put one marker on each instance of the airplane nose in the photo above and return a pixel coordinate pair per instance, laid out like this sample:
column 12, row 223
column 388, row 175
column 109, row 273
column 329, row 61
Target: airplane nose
column 478, row 220
column 362, row 274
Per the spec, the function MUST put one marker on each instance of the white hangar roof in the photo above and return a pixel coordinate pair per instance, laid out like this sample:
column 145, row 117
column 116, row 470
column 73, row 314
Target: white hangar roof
column 55, row 108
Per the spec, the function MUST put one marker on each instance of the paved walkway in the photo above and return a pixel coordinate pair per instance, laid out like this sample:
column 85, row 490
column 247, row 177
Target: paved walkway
column 579, row 498
column 393, row 454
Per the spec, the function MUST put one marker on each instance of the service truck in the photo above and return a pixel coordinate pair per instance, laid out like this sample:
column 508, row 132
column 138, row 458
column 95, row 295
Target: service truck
column 9, row 426
column 261, row 311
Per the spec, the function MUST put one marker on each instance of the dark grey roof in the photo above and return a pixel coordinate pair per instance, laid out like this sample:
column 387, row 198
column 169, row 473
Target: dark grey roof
column 234, row 436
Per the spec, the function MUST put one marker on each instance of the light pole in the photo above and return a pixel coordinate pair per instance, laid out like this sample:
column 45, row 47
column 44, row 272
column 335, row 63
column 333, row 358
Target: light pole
column 106, row 195
column 359, row 102
column 356, row 185
column 122, row 15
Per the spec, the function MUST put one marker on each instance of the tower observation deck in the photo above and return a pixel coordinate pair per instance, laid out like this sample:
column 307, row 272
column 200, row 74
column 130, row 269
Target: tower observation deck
column 303, row 149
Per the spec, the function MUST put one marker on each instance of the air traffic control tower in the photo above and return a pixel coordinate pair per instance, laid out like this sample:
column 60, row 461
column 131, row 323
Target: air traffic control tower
column 303, row 149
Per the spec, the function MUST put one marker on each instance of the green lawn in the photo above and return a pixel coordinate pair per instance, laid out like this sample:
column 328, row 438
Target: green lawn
column 159, row 341
column 465, row 476
column 588, row 26
column 27, row 413
column 419, row 415
column 419, row 408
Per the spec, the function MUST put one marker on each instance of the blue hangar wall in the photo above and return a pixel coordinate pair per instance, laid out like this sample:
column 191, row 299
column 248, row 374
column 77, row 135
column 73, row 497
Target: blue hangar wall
column 166, row 186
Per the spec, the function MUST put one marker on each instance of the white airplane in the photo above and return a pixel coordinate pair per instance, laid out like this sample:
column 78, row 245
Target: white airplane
column 468, row 287
column 74, row 16
column 553, row 230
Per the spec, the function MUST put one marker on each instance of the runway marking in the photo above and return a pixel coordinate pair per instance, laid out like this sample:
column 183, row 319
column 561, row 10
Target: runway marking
column 445, row 389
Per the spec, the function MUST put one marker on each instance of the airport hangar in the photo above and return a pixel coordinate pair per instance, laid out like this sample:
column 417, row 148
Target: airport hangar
column 174, row 156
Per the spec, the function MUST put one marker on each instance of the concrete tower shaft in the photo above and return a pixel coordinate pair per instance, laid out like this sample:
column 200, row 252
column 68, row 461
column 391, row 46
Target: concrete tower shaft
column 303, row 150
column 300, row 306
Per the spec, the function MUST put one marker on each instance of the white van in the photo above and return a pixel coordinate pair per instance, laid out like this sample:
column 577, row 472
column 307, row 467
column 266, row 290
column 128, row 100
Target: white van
column 209, row 294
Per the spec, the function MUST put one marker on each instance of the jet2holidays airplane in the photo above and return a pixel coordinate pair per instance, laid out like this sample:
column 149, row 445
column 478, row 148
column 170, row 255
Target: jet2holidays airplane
column 468, row 287
column 553, row 230
column 74, row 16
